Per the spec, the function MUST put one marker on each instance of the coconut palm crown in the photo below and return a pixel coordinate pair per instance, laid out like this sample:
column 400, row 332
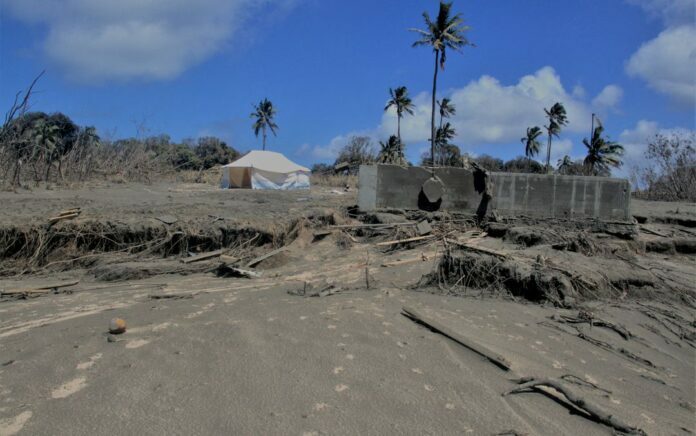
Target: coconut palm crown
column 443, row 34
column 557, row 119
column 602, row 154
column 403, row 104
column 264, row 113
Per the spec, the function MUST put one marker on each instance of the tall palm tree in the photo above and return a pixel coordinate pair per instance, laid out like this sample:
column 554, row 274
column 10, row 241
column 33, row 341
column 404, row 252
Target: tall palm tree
column 447, row 109
column 446, row 32
column 557, row 119
column 392, row 152
column 602, row 153
column 264, row 113
column 531, row 142
column 402, row 102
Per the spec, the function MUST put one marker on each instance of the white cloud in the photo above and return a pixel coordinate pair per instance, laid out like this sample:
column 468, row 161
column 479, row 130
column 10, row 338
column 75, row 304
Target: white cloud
column 668, row 63
column 489, row 112
column 151, row 39
column 671, row 12
column 609, row 97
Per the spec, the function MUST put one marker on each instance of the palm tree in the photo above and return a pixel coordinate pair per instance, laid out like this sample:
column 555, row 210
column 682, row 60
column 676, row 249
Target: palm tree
column 557, row 119
column 392, row 152
column 443, row 136
column 531, row 142
column 264, row 113
column 602, row 153
column 445, row 32
column 447, row 109
column 402, row 102
column 564, row 164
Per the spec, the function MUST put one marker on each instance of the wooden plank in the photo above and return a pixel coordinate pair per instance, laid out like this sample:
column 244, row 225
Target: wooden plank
column 403, row 241
column 203, row 256
column 435, row 326
column 260, row 259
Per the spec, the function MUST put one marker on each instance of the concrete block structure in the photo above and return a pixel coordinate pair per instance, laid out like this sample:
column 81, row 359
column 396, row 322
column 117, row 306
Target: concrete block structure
column 532, row 195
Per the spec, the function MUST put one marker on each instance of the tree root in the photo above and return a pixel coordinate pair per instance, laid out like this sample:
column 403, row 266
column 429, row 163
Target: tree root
column 622, row 351
column 594, row 411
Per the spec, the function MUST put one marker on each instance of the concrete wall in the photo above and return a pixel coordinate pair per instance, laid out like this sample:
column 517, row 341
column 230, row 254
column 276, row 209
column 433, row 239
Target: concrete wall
column 536, row 195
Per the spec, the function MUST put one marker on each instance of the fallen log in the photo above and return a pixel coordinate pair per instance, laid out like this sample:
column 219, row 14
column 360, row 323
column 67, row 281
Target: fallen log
column 203, row 256
column 435, row 326
column 591, row 409
column 68, row 216
column 478, row 248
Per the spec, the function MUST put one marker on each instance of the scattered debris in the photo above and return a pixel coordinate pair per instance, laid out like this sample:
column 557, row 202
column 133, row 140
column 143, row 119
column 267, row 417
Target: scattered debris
column 230, row 260
column 117, row 326
column 435, row 326
column 320, row 234
column 308, row 290
column 422, row 258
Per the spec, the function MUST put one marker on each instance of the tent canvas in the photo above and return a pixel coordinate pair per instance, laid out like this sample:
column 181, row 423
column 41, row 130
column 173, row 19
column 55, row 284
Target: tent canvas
column 264, row 170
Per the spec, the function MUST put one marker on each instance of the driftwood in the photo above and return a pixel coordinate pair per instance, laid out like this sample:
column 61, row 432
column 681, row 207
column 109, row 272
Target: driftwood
column 480, row 249
column 180, row 296
column 435, row 326
column 621, row 351
column 67, row 216
column 203, row 256
column 594, row 411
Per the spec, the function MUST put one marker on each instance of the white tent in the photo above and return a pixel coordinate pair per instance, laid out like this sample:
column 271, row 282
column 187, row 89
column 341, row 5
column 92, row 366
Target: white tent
column 264, row 170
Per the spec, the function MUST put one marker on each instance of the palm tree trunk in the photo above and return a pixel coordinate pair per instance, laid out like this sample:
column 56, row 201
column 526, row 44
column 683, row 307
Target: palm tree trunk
column 432, row 115
column 548, row 155
column 398, row 127
column 264, row 138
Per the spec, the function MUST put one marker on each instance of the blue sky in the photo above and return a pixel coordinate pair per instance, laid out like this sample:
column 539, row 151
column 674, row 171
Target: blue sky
column 195, row 68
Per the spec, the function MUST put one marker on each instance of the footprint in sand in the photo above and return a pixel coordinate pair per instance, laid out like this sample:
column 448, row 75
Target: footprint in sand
column 331, row 327
column 449, row 406
column 341, row 388
column 12, row 426
column 92, row 360
column 302, row 318
column 429, row 388
column 338, row 370
column 350, row 357
column 69, row 388
column 137, row 343
column 417, row 370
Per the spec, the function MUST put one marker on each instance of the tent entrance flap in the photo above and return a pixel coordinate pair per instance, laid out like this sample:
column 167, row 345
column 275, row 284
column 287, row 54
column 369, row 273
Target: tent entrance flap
column 239, row 177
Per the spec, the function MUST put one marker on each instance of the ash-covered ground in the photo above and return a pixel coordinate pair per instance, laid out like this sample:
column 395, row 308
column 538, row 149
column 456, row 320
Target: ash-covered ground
column 354, row 323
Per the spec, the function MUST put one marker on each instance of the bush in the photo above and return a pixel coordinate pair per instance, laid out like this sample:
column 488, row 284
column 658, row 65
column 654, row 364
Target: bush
column 358, row 151
column 212, row 151
column 670, row 170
